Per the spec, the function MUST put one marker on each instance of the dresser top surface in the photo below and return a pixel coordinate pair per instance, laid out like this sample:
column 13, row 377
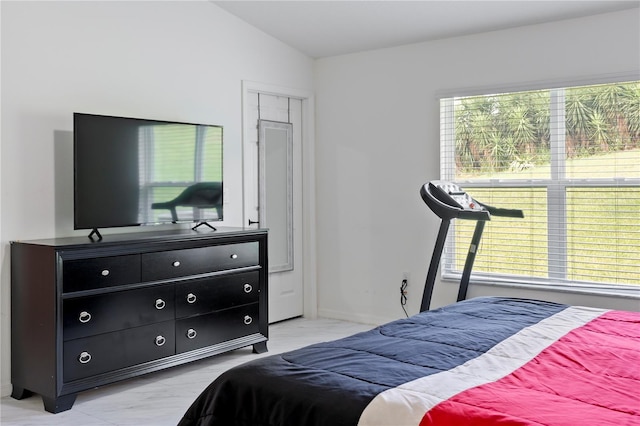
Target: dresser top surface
column 135, row 237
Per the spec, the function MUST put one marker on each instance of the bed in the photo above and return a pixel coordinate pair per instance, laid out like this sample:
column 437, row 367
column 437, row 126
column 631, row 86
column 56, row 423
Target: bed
column 483, row 361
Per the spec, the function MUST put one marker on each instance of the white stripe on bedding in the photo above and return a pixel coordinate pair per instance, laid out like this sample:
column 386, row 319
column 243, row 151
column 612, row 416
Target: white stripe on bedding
column 406, row 405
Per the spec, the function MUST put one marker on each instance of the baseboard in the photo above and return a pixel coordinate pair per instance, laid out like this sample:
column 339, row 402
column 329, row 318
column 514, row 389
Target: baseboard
column 5, row 389
column 359, row 318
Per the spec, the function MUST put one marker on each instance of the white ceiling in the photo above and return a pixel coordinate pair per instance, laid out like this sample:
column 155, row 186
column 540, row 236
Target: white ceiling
column 329, row 28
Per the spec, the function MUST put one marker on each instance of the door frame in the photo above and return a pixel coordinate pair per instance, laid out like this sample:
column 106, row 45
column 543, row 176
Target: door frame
column 309, row 285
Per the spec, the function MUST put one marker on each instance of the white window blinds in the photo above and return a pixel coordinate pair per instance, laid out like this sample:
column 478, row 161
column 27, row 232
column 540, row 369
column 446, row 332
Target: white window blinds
column 570, row 159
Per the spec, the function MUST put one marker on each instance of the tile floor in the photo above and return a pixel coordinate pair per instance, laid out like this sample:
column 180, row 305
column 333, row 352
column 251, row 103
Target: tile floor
column 161, row 398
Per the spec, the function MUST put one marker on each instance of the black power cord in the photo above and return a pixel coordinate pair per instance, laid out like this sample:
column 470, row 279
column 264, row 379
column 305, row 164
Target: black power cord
column 403, row 296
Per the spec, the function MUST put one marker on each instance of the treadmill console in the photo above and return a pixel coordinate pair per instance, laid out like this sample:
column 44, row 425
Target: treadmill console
column 452, row 194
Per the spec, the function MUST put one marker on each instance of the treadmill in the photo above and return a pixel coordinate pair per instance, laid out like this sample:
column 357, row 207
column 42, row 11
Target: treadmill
column 449, row 201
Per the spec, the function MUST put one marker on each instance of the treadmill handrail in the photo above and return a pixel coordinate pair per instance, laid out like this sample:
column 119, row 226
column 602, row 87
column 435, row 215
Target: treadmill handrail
column 501, row 212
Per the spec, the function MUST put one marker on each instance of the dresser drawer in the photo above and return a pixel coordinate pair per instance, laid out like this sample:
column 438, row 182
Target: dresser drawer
column 216, row 293
column 179, row 263
column 86, row 316
column 111, row 351
column 217, row 327
column 87, row 274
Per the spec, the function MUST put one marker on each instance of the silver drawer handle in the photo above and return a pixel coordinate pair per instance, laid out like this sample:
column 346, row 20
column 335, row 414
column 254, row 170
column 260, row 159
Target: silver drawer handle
column 160, row 304
column 176, row 263
column 104, row 272
column 234, row 256
column 191, row 333
column 160, row 340
column 248, row 320
column 84, row 357
column 191, row 298
column 84, row 317
column 247, row 288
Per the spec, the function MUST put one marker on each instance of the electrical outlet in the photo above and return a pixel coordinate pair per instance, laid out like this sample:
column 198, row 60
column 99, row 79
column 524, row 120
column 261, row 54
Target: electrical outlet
column 405, row 277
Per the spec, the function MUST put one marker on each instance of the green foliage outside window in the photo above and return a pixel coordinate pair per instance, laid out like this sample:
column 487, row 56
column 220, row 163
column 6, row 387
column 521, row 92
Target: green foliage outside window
column 512, row 132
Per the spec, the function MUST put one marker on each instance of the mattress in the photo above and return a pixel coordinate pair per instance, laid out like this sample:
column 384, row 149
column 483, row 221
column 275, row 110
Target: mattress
column 484, row 361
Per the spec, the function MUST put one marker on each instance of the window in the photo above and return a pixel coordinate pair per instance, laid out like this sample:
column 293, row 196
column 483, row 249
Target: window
column 570, row 159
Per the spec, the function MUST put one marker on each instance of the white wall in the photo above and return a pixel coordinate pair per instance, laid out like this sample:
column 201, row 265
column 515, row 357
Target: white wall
column 169, row 60
column 376, row 122
column 377, row 142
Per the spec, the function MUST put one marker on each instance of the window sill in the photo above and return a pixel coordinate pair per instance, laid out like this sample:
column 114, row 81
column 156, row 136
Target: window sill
column 627, row 292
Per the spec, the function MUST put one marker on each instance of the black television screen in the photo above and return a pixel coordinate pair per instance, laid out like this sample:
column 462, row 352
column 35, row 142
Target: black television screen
column 130, row 171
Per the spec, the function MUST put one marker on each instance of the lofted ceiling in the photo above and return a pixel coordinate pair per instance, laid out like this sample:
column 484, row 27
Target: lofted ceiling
column 328, row 28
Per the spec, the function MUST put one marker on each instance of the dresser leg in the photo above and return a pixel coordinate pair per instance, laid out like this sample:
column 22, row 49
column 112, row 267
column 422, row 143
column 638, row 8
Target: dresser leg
column 59, row 404
column 20, row 393
column 259, row 348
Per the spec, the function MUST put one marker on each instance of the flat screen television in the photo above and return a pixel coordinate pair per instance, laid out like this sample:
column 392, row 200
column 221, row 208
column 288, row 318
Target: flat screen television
column 132, row 171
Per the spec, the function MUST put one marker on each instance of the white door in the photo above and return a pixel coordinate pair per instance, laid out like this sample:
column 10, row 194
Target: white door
column 270, row 202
